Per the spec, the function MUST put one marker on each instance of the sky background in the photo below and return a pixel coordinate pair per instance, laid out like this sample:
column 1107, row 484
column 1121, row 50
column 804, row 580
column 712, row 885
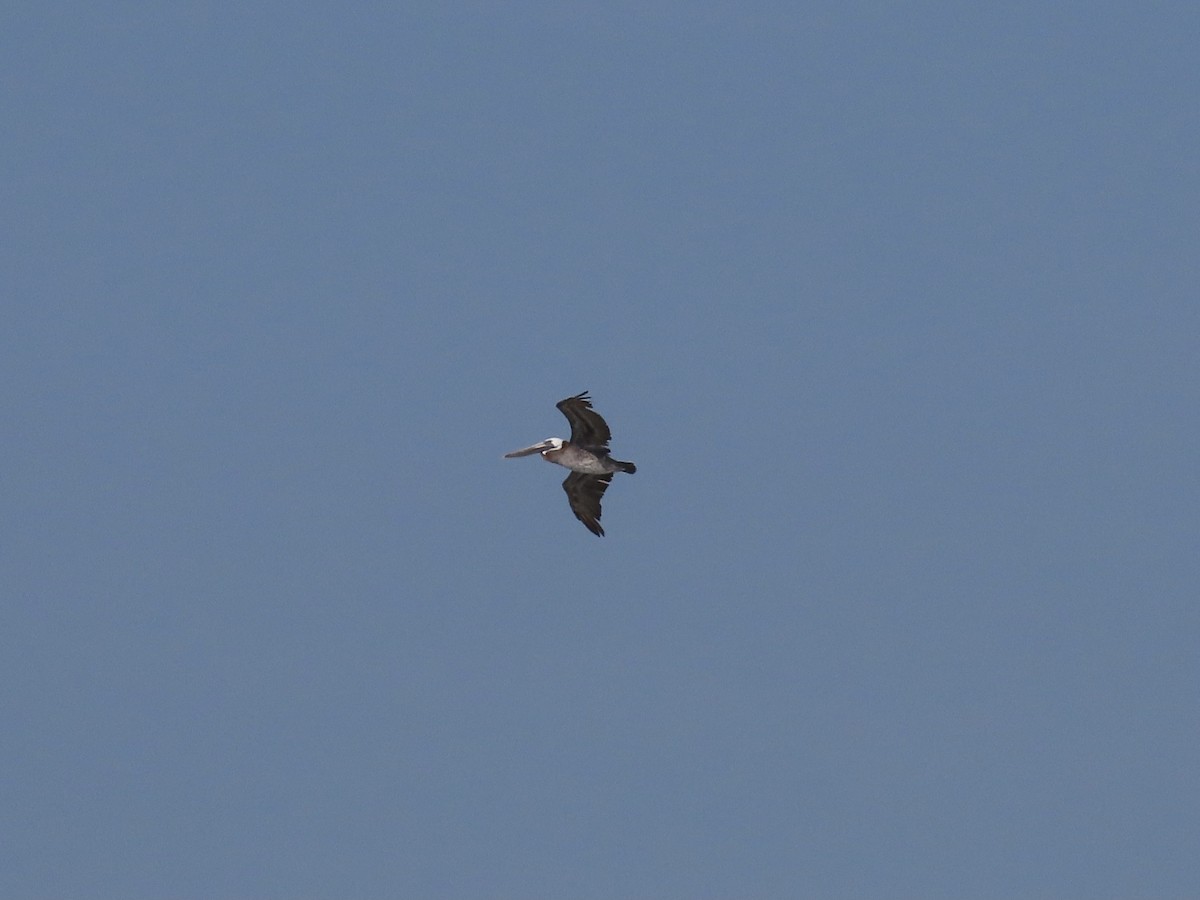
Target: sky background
column 895, row 306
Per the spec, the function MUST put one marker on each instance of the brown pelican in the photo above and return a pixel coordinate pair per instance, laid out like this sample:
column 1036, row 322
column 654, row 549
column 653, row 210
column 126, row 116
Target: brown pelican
column 586, row 455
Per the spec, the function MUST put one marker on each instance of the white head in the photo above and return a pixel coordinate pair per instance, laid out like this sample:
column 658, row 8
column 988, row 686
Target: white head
column 540, row 447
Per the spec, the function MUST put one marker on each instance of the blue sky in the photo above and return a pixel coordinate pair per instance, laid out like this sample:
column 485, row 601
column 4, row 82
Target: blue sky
column 895, row 307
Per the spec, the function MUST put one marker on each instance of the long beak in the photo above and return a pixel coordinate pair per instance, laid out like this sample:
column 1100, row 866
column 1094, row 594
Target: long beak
column 539, row 446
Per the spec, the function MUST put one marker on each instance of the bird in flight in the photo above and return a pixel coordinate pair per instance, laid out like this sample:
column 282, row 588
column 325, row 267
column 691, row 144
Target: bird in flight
column 586, row 455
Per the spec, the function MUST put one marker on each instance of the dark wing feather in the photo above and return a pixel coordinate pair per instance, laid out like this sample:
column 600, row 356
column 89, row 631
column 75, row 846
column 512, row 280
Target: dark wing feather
column 587, row 428
column 584, row 493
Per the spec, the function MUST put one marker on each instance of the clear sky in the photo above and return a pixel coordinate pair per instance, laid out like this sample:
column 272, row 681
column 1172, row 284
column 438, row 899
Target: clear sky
column 895, row 306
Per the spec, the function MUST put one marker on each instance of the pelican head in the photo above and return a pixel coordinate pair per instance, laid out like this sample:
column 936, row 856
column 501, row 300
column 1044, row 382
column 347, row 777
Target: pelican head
column 540, row 447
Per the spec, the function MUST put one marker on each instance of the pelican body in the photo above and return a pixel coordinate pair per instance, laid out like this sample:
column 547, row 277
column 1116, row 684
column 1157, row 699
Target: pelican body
column 586, row 455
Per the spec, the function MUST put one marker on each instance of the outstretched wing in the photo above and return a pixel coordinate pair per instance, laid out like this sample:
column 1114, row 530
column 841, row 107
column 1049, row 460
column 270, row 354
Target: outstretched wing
column 584, row 493
column 587, row 428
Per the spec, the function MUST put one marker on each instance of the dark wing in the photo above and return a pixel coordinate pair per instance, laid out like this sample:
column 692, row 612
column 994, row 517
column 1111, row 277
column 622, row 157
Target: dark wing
column 587, row 428
column 584, row 493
